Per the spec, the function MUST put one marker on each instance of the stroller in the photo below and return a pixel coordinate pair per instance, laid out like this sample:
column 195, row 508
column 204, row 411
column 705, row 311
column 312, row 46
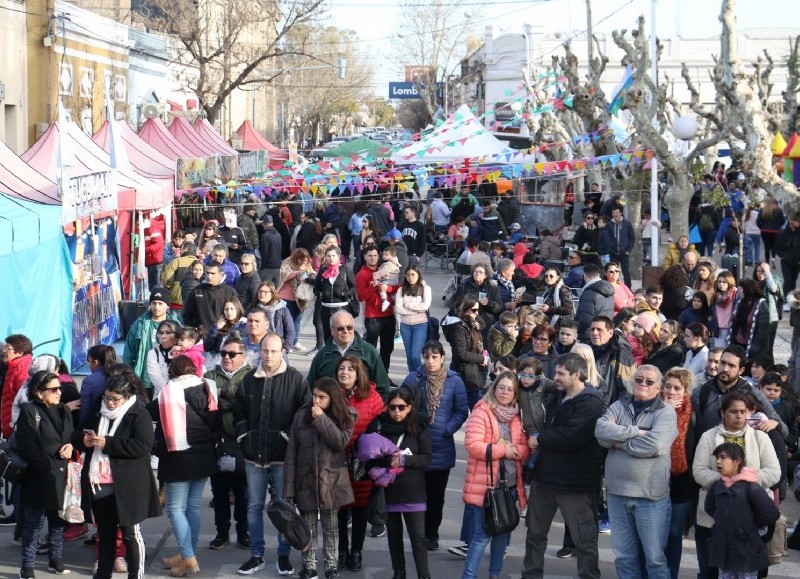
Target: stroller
column 438, row 248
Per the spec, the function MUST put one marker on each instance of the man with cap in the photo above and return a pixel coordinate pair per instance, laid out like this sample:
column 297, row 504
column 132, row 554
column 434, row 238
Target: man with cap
column 173, row 273
column 516, row 234
column 141, row 336
column 270, row 248
column 395, row 239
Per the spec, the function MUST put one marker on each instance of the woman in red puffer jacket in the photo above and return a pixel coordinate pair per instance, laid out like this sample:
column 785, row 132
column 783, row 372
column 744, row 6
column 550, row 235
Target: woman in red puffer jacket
column 18, row 357
column 364, row 398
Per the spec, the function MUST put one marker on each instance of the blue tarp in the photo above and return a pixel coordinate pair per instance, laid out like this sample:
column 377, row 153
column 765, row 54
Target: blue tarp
column 35, row 276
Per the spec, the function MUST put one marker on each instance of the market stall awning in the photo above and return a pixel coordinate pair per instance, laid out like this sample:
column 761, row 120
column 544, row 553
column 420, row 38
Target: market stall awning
column 251, row 140
column 155, row 133
column 147, row 160
column 212, row 137
column 182, row 130
column 20, row 180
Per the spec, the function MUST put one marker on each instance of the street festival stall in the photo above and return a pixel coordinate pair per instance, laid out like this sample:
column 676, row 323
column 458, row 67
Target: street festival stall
column 95, row 201
column 251, row 140
column 37, row 271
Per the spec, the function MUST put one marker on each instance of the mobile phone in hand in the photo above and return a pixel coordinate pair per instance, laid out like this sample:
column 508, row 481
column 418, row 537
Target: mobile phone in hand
column 89, row 432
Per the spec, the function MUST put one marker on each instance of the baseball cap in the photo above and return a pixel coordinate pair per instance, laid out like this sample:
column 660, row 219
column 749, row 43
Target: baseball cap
column 393, row 234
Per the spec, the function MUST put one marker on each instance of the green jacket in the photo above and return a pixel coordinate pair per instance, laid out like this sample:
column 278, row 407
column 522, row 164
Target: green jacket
column 140, row 340
column 226, row 392
column 325, row 361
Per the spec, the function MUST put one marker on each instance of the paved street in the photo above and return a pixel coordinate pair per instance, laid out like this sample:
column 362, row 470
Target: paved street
column 224, row 563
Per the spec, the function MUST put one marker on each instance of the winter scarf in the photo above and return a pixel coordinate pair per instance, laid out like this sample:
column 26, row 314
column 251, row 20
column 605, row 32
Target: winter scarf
column 679, row 462
column 434, row 392
column 747, row 475
column 505, row 283
column 506, row 413
column 331, row 271
column 100, row 466
column 172, row 410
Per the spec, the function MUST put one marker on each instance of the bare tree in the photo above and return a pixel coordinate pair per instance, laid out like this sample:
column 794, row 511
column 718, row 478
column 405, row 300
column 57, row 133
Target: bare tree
column 432, row 37
column 227, row 44
column 792, row 87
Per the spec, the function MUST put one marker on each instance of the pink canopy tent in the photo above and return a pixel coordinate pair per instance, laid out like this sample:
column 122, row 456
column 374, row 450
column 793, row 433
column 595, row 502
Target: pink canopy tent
column 146, row 159
column 90, row 158
column 212, row 137
column 251, row 140
column 182, row 130
column 19, row 179
column 155, row 134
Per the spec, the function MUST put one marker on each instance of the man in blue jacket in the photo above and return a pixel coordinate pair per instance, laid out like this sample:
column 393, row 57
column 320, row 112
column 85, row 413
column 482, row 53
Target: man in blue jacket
column 624, row 237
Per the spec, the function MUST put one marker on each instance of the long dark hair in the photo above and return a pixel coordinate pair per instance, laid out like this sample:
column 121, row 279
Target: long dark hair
column 412, row 418
column 362, row 379
column 103, row 355
column 705, row 309
column 465, row 303
column 339, row 409
column 750, row 295
column 131, row 377
column 418, row 288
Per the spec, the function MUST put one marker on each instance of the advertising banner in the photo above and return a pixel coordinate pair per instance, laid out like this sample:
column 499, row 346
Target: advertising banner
column 88, row 194
column 252, row 164
column 195, row 171
column 403, row 90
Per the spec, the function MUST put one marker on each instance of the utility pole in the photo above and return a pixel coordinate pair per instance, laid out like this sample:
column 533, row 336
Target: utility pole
column 589, row 44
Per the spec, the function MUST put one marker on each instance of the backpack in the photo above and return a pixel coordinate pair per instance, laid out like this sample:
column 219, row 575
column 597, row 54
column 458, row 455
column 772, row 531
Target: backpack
column 706, row 222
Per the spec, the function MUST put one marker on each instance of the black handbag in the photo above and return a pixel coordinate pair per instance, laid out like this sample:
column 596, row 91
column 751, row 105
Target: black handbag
column 12, row 463
column 356, row 468
column 230, row 457
column 500, row 513
column 290, row 523
column 433, row 328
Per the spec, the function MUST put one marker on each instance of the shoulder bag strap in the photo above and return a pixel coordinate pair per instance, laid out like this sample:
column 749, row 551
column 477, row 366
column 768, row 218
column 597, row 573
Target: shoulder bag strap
column 489, row 468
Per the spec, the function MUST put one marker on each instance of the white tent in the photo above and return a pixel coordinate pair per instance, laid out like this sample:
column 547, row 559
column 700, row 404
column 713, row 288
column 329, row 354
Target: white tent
column 461, row 137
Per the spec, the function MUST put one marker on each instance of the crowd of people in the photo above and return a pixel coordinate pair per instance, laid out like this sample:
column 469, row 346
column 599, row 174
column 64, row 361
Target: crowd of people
column 631, row 412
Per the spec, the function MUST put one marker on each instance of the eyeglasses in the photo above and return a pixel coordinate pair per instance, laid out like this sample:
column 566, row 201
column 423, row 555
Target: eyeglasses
column 164, row 333
column 113, row 399
column 648, row 381
column 54, row 389
column 550, row 276
column 506, row 389
column 344, row 328
column 397, row 407
column 526, row 376
column 231, row 355
column 589, row 218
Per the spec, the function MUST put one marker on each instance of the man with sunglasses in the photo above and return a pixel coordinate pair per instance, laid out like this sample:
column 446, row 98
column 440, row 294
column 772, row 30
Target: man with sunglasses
column 230, row 477
column 639, row 431
column 345, row 340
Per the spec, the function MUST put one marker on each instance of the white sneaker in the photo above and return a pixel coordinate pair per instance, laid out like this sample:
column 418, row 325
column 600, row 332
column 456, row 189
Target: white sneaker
column 298, row 347
column 385, row 305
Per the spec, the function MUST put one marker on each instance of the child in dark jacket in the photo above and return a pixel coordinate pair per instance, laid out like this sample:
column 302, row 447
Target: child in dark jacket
column 743, row 514
column 605, row 240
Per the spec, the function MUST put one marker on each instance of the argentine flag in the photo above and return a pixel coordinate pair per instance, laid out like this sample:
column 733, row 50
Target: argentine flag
column 618, row 95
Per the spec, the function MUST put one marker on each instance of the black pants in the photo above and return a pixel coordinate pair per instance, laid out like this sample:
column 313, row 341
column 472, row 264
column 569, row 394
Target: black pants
column 790, row 272
column 768, row 237
column 435, row 487
column 382, row 329
column 415, row 524
column 222, row 484
column 106, row 518
column 358, row 530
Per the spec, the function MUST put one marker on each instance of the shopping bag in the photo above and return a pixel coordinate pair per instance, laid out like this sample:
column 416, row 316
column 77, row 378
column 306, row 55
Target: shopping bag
column 71, row 510
column 694, row 235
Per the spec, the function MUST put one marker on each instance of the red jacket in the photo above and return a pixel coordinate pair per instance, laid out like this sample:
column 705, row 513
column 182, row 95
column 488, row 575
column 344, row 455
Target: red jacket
column 482, row 429
column 154, row 241
column 369, row 295
column 367, row 409
column 16, row 375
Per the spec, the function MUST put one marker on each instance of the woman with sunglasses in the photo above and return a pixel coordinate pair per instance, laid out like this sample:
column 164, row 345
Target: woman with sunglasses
column 118, row 475
column 470, row 358
column 557, row 297
column 494, row 428
column 623, row 296
column 43, row 432
column 406, row 497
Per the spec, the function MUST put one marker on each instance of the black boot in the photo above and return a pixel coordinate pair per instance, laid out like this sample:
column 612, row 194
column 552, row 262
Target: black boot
column 342, row 562
column 399, row 574
column 354, row 561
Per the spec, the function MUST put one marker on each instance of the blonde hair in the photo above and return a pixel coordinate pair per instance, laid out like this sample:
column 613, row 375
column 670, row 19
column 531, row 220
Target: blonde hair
column 490, row 398
column 586, row 352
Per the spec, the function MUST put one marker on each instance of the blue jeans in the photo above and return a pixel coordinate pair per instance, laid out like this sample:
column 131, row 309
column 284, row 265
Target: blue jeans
column 414, row 338
column 675, row 537
column 706, row 247
column 477, row 546
column 183, row 510
column 258, row 480
column 639, row 522
column 756, row 239
column 297, row 318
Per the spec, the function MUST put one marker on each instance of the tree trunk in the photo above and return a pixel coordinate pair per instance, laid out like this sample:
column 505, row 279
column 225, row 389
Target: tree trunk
column 212, row 112
column 677, row 202
column 633, row 213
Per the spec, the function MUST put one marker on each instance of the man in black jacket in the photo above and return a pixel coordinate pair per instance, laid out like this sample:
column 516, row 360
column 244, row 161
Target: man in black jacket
column 270, row 249
column 567, row 472
column 787, row 246
column 205, row 303
column 413, row 234
column 266, row 402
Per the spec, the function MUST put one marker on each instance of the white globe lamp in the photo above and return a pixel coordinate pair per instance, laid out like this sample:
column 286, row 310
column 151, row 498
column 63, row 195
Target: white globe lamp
column 685, row 127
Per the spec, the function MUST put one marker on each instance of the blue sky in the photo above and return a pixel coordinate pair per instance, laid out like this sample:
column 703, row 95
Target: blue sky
column 375, row 20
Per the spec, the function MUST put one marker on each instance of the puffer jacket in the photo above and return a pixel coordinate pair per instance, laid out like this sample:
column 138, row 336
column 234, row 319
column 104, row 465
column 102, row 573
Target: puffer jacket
column 16, row 375
column 140, row 340
column 481, row 430
column 263, row 412
column 315, row 470
column 367, row 409
column 343, row 286
column 448, row 418
column 280, row 320
column 532, row 404
column 247, row 288
column 550, row 248
column 597, row 299
column 173, row 275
